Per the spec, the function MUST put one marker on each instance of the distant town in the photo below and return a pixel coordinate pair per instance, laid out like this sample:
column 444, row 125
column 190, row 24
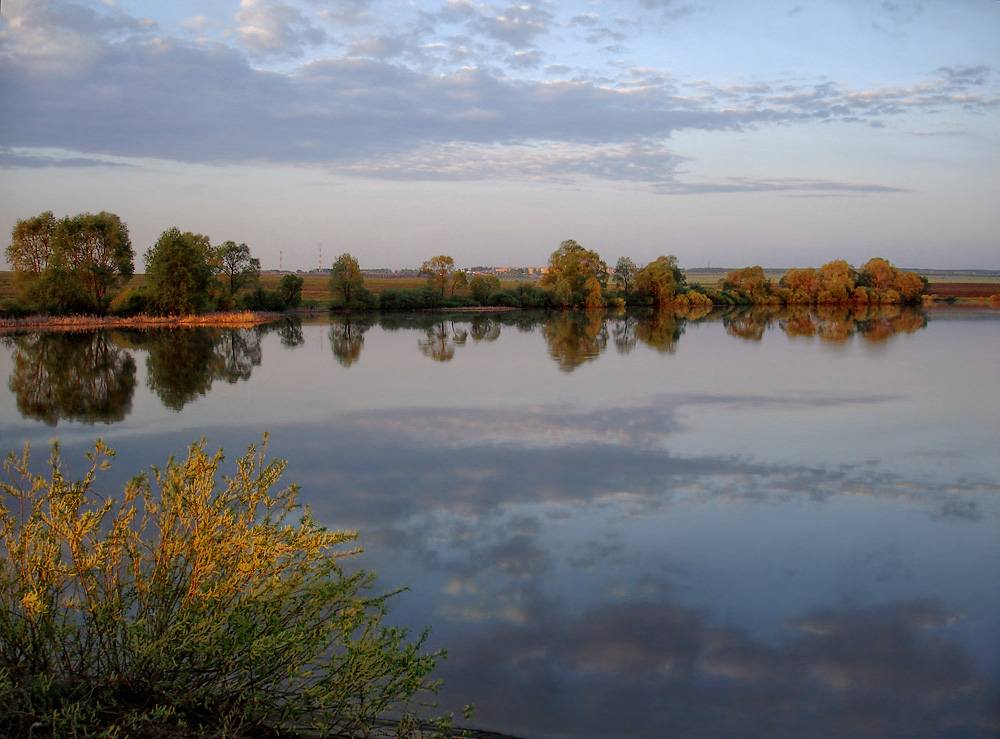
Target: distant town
column 516, row 272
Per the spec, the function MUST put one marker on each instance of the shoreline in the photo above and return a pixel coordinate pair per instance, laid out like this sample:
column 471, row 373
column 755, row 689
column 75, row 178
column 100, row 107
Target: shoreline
column 248, row 319
column 242, row 319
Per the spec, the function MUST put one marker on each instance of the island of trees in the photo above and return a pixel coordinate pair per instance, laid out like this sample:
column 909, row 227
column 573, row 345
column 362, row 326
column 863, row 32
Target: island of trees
column 84, row 265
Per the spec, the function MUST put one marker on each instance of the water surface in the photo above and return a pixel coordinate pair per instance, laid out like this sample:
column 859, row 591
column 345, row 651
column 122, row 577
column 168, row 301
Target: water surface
column 771, row 525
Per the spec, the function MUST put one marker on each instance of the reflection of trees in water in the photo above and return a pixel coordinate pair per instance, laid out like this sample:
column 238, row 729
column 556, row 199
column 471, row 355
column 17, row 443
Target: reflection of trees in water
column 442, row 339
column 752, row 323
column 837, row 324
column 183, row 363
column 660, row 329
column 575, row 337
column 485, row 328
column 623, row 332
column 347, row 335
column 240, row 352
column 290, row 331
column 80, row 376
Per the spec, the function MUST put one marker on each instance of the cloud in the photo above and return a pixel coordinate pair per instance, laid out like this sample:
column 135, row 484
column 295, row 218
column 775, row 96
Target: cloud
column 274, row 28
column 787, row 184
column 892, row 665
column 516, row 25
column 37, row 159
column 395, row 105
column 347, row 12
column 381, row 47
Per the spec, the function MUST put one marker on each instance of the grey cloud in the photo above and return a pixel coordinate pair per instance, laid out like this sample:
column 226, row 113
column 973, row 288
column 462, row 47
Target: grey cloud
column 516, row 25
column 384, row 47
column 347, row 12
column 275, row 28
column 525, row 59
column 891, row 667
column 57, row 14
column 603, row 35
column 584, row 19
column 11, row 158
column 787, row 184
column 139, row 96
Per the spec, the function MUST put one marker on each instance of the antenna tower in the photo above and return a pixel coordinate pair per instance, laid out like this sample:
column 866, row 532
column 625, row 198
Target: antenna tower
column 281, row 260
column 321, row 257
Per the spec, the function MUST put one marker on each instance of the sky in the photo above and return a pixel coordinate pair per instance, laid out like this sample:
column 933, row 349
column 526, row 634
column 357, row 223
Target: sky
column 784, row 133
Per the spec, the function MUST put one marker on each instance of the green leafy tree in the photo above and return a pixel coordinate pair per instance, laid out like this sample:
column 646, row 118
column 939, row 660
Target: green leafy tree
column 482, row 286
column 437, row 270
column 69, row 264
column 97, row 251
column 625, row 271
column 179, row 272
column 237, row 267
column 31, row 246
column 458, row 280
column 346, row 281
column 290, row 290
column 571, row 269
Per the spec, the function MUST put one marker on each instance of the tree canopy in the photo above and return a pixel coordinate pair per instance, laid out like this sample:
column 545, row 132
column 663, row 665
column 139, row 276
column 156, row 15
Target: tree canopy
column 234, row 263
column 71, row 263
column 179, row 272
column 660, row 281
column 347, row 284
column 438, row 269
column 578, row 276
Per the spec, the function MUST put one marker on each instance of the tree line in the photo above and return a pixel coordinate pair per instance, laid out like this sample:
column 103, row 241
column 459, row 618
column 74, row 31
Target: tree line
column 83, row 264
column 577, row 278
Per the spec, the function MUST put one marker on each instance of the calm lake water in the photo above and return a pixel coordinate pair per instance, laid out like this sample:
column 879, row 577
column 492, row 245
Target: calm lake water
column 620, row 526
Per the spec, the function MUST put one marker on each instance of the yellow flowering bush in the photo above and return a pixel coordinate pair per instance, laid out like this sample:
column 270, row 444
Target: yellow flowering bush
column 191, row 603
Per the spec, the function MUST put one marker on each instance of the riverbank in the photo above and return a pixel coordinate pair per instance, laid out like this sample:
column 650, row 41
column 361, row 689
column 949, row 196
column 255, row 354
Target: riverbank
column 240, row 319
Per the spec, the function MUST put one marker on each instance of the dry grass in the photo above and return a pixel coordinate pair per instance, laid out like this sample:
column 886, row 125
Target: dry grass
column 242, row 319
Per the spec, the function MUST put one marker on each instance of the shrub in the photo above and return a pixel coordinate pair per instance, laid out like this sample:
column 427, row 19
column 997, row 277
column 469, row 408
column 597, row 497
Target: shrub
column 189, row 604
column 130, row 302
column 409, row 300
column 261, row 299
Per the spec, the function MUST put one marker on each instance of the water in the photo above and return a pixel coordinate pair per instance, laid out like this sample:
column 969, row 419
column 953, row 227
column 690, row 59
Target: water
column 629, row 526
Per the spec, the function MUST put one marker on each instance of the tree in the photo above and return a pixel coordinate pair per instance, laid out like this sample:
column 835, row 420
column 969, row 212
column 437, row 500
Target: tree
column 97, row 251
column 660, row 281
column 881, row 274
column 179, row 272
column 31, row 245
column 570, row 268
column 234, row 262
column 347, row 284
column 482, row 287
column 290, row 290
column 70, row 264
column 625, row 271
column 751, row 280
column 438, row 269
column 459, row 279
